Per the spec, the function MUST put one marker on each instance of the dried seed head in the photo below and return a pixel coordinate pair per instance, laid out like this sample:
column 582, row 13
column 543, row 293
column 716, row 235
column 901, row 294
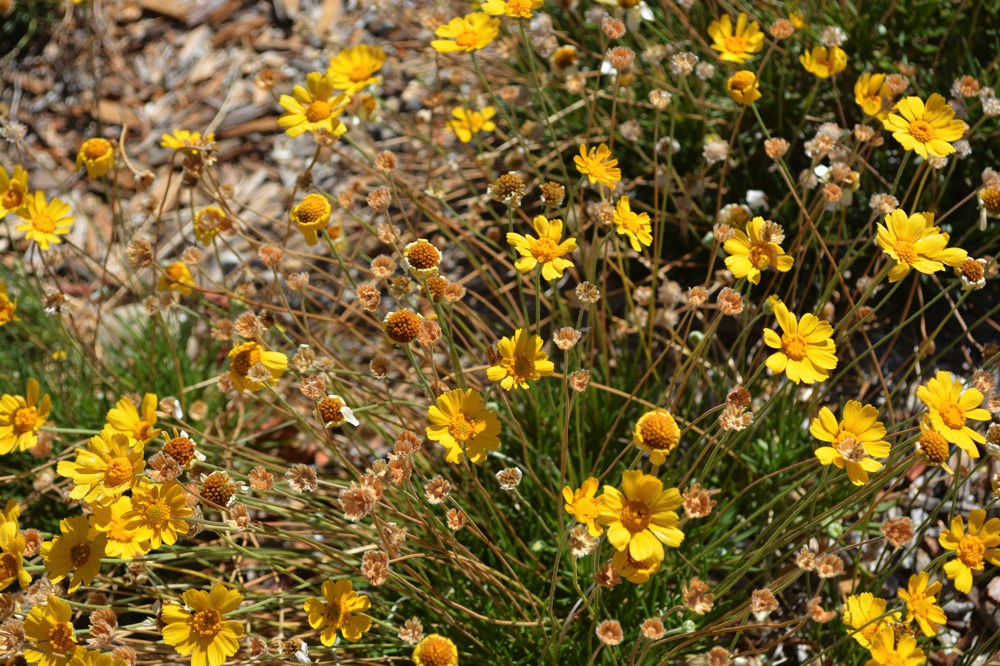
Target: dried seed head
column 162, row 468
column 260, row 479
column 782, row 29
column 588, row 292
column 411, row 632
column 437, row 490
column 140, row 253
column 383, row 266
column 613, row 28
column 302, row 478
column 125, row 653
column 385, row 161
column 653, row 629
column 697, row 296
column 610, row 632
column 508, row 189
column 379, row 199
column 429, row 333
column 454, row 292
column 805, row 559
column 763, row 601
column 369, row 296
column 248, row 326
column 898, row 531
column 829, row 566
column 579, row 380
column 103, row 623
column 621, row 58
column 717, row 656
column 379, row 367
column 456, row 519
column 581, row 542
column 730, row 302
column 375, row 567
column 698, row 502
column 660, row 99
column 509, row 478
column 566, row 338
column 553, row 194
column 817, row 613
column 270, row 255
column 776, row 148
column 357, row 501
column 697, row 598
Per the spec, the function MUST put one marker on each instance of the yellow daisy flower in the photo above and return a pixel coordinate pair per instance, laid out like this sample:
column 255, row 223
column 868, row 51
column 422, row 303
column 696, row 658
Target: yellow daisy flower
column 13, row 192
column 972, row 549
column 887, row 651
column 466, row 33
column 12, row 544
column 634, row 226
column 467, row 122
column 97, row 155
column 744, row 87
column 311, row 215
column 824, row 63
column 921, row 603
column 186, row 141
column 548, row 249
column 856, row 440
column 246, row 356
column 914, row 242
column 158, row 512
column 74, row 550
column 200, row 629
column 21, row 417
column 176, row 277
column 521, row 9
column 598, row 165
column 435, row 650
column 91, row 658
column 582, row 504
column 737, row 45
column 461, row 423
column 45, row 222
column 640, row 517
column 656, row 432
column 49, row 632
column 927, row 129
column 949, row 408
column 752, row 252
column 109, row 519
column 521, row 360
column 806, row 352
column 105, row 468
column 354, row 68
column 338, row 612
column 872, row 94
column 209, row 222
column 632, row 570
column 8, row 308
column 314, row 108
column 863, row 613
column 135, row 422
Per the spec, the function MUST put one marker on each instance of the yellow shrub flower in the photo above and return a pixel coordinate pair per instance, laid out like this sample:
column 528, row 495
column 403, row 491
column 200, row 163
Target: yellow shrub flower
column 187, row 141
column 109, row 519
column 200, row 628
column 973, row 548
column 8, row 308
column 13, row 192
column 422, row 258
column 354, row 68
column 582, row 504
column 921, row 603
column 521, row 360
column 310, row 215
column 927, row 129
column 337, row 612
column 246, row 356
column 598, row 165
column 48, row 629
column 466, row 33
column 634, row 226
column 744, row 87
column 461, row 423
column 640, row 517
column 656, row 432
column 158, row 513
column 872, row 94
column 74, row 550
column 752, row 252
column 632, row 570
column 21, row 417
column 856, row 440
column 105, row 468
column 739, row 44
column 824, row 63
column 950, row 408
column 12, row 544
column 91, row 658
column 548, row 249
column 176, row 277
column 435, row 650
column 209, row 222
column 887, row 651
column 521, row 9
column 97, row 155
column 466, row 123
column 45, row 222
column 806, row 353
column 314, row 108
column 865, row 614
column 914, row 242
column 136, row 422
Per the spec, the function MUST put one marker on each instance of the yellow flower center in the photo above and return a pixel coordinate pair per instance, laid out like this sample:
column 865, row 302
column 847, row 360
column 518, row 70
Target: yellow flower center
column 157, row 514
column 318, row 111
column 79, row 554
column 245, row 360
column 25, row 420
column 522, row 366
column 312, row 209
column 735, row 44
column 989, row 196
column 423, row 255
column 635, row 516
column 970, row 551
column 906, row 252
column 921, row 130
column 402, row 327
column 181, row 449
column 794, row 346
column 519, row 8
column 759, row 256
column 13, row 198
column 544, row 250
column 660, row 432
column 359, row 72
column 953, row 416
column 331, row 410
column 61, row 637
column 141, row 430
column 849, row 448
column 435, row 651
column 117, row 532
column 8, row 566
column 207, row 622
column 119, row 471
column 334, row 613
column 870, row 631
column 585, row 509
column 972, row 270
column 468, row 39
column 43, row 223
column 934, row 447
column 461, row 428
column 94, row 149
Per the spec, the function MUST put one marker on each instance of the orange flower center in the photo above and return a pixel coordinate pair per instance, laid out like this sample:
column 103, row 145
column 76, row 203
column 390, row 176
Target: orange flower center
column 921, row 130
column 359, row 73
column 43, row 223
column 157, row 514
column 181, row 449
column 461, row 428
column 245, row 360
column 849, row 448
column 8, row 566
column 423, row 256
column 402, row 327
column 660, row 432
column 989, row 196
column 953, row 416
column 79, row 554
column 312, row 209
column 119, row 471
column 435, row 651
column 735, row 44
column 906, row 252
column 544, row 250
column 117, row 532
column 13, row 198
column 468, row 39
column 794, row 346
column 207, row 622
column 318, row 111
column 61, row 637
column 970, row 551
column 972, row 270
column 94, row 149
column 25, row 420
column 635, row 516
column 934, row 447
column 331, row 410
column 141, row 430
column 522, row 366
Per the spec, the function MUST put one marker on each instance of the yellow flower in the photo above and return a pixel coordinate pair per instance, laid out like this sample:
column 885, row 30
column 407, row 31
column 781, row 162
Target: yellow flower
column 137, row 423
column 45, row 222
column 921, row 603
column 209, row 222
column 49, row 631
column 656, row 433
column 246, row 356
column 914, row 242
column 547, row 250
column 158, row 512
column 176, row 277
column 856, row 440
column 886, row 651
column 972, row 549
column 185, row 141
column 435, row 650
column 199, row 628
column 806, row 353
column 109, row 519
column 824, row 63
column 521, row 360
column 926, row 129
column 12, row 544
column 8, row 308
column 737, row 45
column 314, row 108
column 582, row 504
column 91, row 658
column 461, row 422
column 864, row 613
column 97, row 155
column 466, row 33
column 421, row 258
column 467, row 123
column 13, row 192
column 949, row 408
column 104, row 469
column 744, row 87
column 21, row 418
column 598, row 165
column 74, row 550
column 752, row 252
column 635, row 226
column 338, row 612
column 632, row 570
column 512, row 8
column 872, row 94
column 310, row 215
column 354, row 68
column 641, row 517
